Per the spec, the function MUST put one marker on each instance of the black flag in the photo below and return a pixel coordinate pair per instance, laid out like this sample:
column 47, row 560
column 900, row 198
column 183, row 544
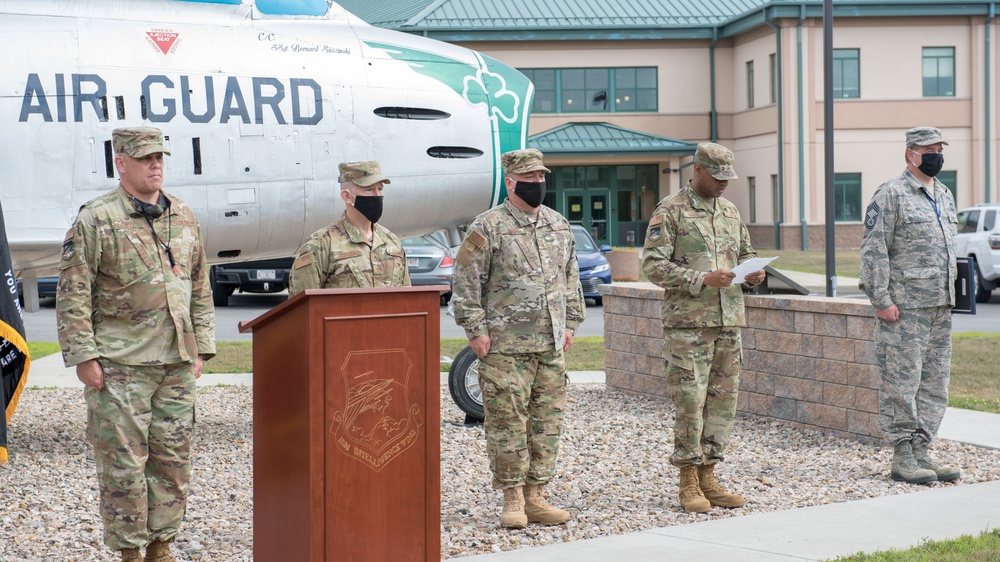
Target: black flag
column 14, row 358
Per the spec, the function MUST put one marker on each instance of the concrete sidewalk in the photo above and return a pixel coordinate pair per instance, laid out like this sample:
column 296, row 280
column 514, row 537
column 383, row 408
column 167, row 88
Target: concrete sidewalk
column 811, row 533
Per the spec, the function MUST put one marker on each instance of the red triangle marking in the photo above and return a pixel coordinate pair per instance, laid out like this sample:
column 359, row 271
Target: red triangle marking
column 163, row 39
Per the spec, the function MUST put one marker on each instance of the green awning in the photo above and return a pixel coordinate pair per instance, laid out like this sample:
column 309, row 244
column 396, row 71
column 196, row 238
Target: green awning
column 605, row 139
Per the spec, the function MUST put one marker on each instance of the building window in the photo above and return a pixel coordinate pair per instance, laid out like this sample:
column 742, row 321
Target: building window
column 846, row 73
column 847, row 191
column 752, row 190
column 750, row 84
column 597, row 90
column 939, row 71
column 950, row 179
column 773, row 61
column 775, row 199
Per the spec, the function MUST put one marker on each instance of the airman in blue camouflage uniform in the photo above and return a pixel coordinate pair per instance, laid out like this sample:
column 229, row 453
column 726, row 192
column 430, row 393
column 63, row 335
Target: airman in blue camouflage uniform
column 517, row 294
column 135, row 316
column 693, row 240
column 908, row 271
column 353, row 251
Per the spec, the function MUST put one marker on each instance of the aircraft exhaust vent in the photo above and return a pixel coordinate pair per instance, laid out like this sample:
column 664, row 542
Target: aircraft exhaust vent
column 109, row 160
column 196, row 149
column 418, row 113
column 454, row 152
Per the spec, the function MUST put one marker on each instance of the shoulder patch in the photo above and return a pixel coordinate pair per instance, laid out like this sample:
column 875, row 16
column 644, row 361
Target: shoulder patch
column 871, row 215
column 656, row 219
column 473, row 245
column 302, row 261
column 68, row 251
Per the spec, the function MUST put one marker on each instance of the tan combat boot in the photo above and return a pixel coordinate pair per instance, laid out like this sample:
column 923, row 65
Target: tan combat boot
column 540, row 511
column 158, row 552
column 513, row 516
column 131, row 555
column 692, row 499
column 714, row 493
column 943, row 472
column 905, row 467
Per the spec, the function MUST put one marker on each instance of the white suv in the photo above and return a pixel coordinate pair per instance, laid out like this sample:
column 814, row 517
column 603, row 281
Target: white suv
column 979, row 237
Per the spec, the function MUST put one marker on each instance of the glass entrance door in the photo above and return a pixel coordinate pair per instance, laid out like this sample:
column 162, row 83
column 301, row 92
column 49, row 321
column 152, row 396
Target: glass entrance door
column 589, row 209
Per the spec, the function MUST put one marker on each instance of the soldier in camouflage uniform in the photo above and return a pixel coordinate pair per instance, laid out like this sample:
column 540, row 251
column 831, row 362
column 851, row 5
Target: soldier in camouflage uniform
column 354, row 251
column 693, row 240
column 135, row 317
column 908, row 271
column 517, row 294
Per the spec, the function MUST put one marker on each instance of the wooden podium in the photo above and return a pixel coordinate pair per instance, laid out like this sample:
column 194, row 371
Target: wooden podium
column 346, row 426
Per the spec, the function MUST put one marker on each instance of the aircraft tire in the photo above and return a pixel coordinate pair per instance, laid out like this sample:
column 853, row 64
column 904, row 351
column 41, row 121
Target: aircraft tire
column 463, row 383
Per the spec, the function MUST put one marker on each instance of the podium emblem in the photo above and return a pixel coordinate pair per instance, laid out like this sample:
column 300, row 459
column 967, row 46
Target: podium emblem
column 377, row 423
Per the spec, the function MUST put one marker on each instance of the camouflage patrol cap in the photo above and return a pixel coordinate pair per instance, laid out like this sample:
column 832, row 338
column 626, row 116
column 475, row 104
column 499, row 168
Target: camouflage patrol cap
column 362, row 173
column 924, row 136
column 522, row 161
column 717, row 160
column 138, row 142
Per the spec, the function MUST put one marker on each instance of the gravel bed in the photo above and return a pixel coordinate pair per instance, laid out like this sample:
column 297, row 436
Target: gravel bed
column 612, row 475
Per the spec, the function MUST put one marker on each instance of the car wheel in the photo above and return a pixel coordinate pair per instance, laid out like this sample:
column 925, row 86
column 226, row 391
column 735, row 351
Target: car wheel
column 982, row 294
column 599, row 301
column 220, row 295
column 463, row 383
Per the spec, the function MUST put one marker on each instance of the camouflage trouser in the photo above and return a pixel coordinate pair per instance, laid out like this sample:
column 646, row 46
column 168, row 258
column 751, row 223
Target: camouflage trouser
column 523, row 396
column 914, row 358
column 703, row 372
column 141, row 426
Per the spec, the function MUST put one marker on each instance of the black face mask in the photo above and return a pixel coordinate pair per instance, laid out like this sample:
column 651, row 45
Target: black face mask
column 931, row 164
column 370, row 206
column 152, row 210
column 530, row 192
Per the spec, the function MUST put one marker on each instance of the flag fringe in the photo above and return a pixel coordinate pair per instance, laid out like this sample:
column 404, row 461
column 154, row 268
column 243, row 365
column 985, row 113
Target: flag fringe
column 10, row 334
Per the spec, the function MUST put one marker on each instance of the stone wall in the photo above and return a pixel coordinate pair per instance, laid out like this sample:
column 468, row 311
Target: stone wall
column 808, row 361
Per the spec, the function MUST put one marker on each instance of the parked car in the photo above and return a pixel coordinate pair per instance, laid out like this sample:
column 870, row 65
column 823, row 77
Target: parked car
column 265, row 276
column 594, row 267
column 46, row 288
column 429, row 263
column 979, row 238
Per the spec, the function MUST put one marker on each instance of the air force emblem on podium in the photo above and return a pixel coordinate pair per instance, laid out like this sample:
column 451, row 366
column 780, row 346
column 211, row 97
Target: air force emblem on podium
column 377, row 423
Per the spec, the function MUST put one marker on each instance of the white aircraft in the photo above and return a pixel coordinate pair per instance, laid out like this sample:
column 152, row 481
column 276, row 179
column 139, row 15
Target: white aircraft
column 259, row 101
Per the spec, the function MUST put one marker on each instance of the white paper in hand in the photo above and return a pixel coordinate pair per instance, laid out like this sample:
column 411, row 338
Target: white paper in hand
column 751, row 265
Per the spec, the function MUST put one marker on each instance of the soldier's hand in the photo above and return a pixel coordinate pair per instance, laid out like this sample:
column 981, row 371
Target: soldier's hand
column 199, row 364
column 480, row 346
column 568, row 340
column 91, row 373
column 720, row 278
column 756, row 278
column 890, row 314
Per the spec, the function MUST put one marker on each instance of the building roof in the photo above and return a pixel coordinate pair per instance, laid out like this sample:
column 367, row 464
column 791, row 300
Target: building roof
column 510, row 20
column 605, row 139
column 549, row 18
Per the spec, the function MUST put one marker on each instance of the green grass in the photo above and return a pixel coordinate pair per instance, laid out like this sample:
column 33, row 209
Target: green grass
column 974, row 383
column 848, row 262
column 982, row 548
column 39, row 349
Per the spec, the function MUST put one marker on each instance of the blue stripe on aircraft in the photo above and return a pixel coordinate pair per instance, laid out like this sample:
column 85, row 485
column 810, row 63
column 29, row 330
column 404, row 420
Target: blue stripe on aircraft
column 281, row 7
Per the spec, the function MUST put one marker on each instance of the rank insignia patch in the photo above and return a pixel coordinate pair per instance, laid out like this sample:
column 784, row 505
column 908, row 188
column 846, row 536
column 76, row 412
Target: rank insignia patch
column 871, row 215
